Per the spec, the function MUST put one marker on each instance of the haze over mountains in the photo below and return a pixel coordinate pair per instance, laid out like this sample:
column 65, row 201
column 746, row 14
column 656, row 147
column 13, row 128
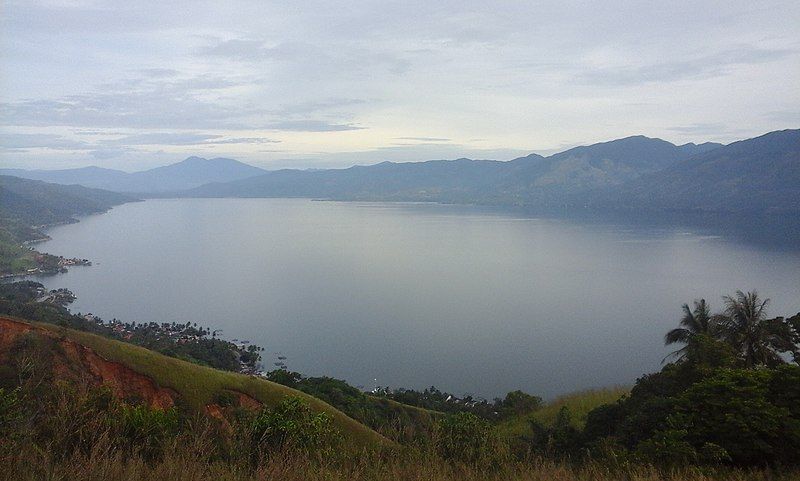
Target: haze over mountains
column 532, row 178
column 189, row 173
column 35, row 202
column 760, row 174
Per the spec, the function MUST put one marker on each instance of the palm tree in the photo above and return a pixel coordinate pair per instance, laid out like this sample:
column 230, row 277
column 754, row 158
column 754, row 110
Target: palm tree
column 694, row 322
column 755, row 338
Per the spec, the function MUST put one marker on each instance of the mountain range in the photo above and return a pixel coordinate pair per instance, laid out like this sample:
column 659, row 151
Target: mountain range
column 524, row 180
column 633, row 173
column 189, row 173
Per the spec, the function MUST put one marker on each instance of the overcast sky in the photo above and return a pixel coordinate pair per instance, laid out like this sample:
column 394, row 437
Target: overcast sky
column 136, row 84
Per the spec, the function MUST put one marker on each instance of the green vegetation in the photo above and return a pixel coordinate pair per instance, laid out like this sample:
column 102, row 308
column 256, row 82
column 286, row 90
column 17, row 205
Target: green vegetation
column 730, row 398
column 199, row 385
column 30, row 300
column 26, row 205
column 578, row 404
column 293, row 424
column 728, row 407
column 396, row 420
column 515, row 402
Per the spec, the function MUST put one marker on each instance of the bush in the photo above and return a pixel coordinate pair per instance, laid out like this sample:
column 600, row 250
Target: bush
column 293, row 425
column 10, row 411
column 466, row 438
column 732, row 410
column 146, row 428
column 517, row 403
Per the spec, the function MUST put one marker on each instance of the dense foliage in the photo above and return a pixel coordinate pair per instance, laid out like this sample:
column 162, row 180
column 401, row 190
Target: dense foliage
column 515, row 402
column 730, row 397
column 396, row 420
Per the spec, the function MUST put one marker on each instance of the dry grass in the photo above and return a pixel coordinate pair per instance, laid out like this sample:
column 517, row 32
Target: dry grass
column 104, row 466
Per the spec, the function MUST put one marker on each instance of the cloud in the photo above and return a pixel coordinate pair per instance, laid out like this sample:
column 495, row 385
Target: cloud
column 159, row 72
column 239, row 49
column 330, row 77
column 316, row 106
column 791, row 117
column 20, row 142
column 106, row 154
column 713, row 129
column 424, row 139
column 139, row 109
column 162, row 138
column 187, row 103
column 185, row 138
column 674, row 70
column 244, row 140
column 310, row 126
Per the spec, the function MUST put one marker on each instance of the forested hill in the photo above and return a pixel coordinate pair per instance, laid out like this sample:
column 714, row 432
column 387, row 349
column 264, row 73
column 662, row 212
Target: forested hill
column 526, row 180
column 38, row 203
column 26, row 205
column 759, row 175
column 632, row 174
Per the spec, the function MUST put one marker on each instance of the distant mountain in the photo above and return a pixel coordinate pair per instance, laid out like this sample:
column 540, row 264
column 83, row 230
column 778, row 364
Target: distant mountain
column 34, row 202
column 457, row 180
column 759, row 174
column 97, row 177
column 189, row 173
column 526, row 180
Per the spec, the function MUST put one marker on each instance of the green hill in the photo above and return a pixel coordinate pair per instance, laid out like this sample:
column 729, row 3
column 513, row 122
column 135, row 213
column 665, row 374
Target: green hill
column 579, row 404
column 198, row 386
column 25, row 205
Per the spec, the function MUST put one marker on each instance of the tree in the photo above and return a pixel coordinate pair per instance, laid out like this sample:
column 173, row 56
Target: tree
column 694, row 322
column 518, row 403
column 758, row 340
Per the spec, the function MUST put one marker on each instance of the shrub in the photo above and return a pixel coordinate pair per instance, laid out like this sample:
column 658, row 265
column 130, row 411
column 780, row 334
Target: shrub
column 732, row 410
column 10, row 411
column 146, row 428
column 562, row 439
column 466, row 438
column 292, row 424
column 517, row 403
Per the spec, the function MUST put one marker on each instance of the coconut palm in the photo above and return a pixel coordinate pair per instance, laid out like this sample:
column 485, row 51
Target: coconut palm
column 755, row 338
column 694, row 322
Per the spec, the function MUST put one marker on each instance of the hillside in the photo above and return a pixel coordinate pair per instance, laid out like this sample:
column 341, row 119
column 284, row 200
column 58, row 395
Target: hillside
column 161, row 381
column 39, row 203
column 524, row 180
column 189, row 173
column 578, row 404
column 759, row 174
column 27, row 204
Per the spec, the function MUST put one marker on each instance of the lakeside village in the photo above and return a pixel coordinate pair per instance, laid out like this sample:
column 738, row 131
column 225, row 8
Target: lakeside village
column 47, row 264
column 50, row 264
column 201, row 345
column 187, row 341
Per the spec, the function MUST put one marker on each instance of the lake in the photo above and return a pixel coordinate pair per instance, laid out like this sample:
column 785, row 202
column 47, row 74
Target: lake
column 468, row 299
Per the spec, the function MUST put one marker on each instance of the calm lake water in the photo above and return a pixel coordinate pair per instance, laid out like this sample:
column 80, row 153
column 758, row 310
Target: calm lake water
column 410, row 295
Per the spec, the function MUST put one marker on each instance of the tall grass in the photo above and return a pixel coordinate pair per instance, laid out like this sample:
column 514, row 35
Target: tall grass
column 579, row 404
column 198, row 385
column 108, row 465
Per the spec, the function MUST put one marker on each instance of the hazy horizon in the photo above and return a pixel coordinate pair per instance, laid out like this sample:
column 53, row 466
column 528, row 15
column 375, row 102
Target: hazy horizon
column 135, row 86
column 543, row 153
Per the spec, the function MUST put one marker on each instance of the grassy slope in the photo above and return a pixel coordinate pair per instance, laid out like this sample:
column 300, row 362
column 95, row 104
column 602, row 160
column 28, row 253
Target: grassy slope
column 198, row 385
column 579, row 404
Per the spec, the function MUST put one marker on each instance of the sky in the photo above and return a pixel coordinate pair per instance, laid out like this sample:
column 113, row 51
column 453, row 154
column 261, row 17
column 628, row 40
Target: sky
column 307, row 84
